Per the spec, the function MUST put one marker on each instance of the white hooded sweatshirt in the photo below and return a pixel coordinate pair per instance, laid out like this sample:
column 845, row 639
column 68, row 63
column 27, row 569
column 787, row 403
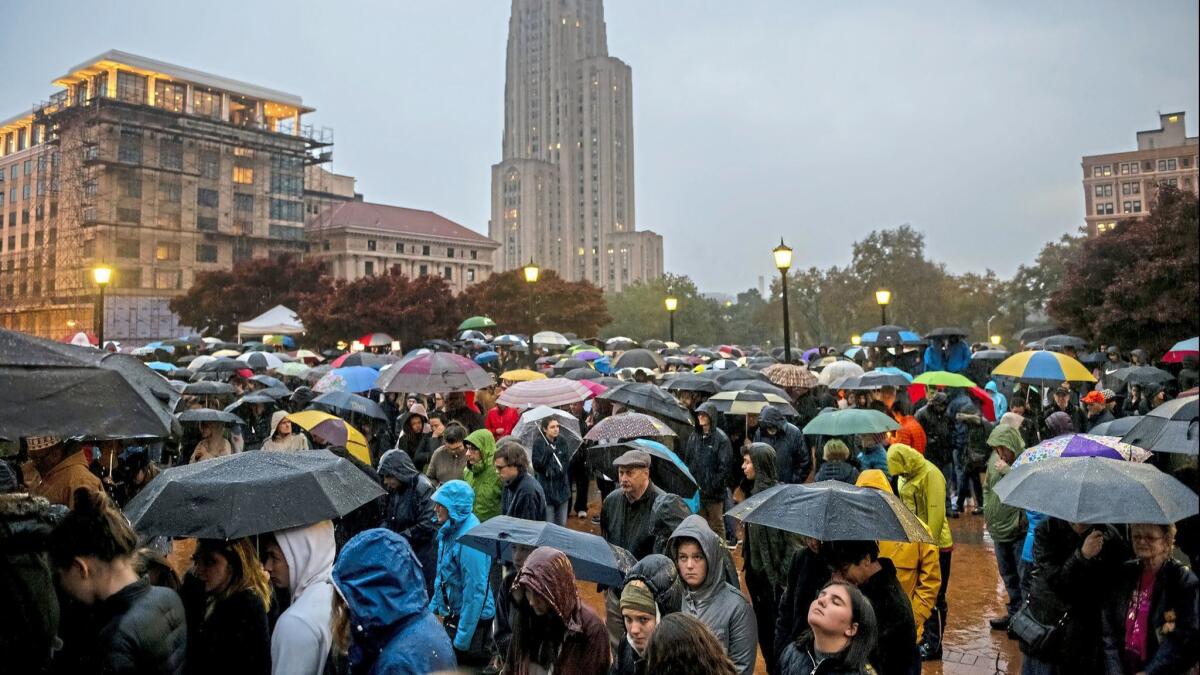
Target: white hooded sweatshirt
column 302, row 637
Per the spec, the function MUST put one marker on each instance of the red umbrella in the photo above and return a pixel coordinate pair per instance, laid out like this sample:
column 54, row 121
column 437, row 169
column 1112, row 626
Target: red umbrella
column 376, row 340
column 916, row 392
column 82, row 338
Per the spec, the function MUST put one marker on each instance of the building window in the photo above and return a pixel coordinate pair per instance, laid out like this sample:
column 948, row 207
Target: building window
column 170, row 192
column 206, row 253
column 210, row 164
column 424, row 270
column 168, row 279
column 448, row 273
column 166, row 251
column 471, row 275
column 206, row 197
column 424, row 251
column 206, row 103
column 129, row 248
column 129, row 277
column 170, row 153
column 399, row 247
column 282, row 209
column 370, row 244
column 1133, row 167
column 206, row 223
column 243, row 175
column 1171, row 164
column 1127, row 207
column 369, row 268
column 129, row 215
column 288, row 232
column 1137, row 206
column 131, row 87
column 325, row 245
column 1108, row 169
column 243, row 202
column 449, row 253
column 131, row 184
column 169, row 95
column 129, row 149
column 474, row 254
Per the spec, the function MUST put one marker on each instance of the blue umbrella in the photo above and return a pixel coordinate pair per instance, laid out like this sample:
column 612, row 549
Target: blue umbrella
column 486, row 357
column 603, row 365
column 591, row 556
column 891, row 370
column 161, row 366
column 353, row 379
column 890, row 336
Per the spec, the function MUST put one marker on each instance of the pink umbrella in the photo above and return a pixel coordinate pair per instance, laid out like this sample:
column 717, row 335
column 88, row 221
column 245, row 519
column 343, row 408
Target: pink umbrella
column 433, row 373
column 595, row 387
column 552, row 393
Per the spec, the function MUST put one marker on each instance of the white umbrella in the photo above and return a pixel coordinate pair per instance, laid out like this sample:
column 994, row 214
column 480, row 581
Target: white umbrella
column 549, row 338
column 272, row 362
column 200, row 361
column 839, row 369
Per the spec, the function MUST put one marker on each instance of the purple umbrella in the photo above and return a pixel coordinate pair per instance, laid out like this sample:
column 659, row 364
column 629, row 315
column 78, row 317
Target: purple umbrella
column 433, row 373
column 808, row 355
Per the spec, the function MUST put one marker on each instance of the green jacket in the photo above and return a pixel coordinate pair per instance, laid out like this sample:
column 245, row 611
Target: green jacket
column 483, row 477
column 922, row 488
column 1006, row 523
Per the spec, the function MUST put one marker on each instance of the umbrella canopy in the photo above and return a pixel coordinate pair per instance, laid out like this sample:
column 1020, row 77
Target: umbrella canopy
column 941, row 378
column 1082, row 445
column 587, row 355
column 839, row 370
column 945, row 332
column 552, row 393
column 990, row 355
column 296, row 369
column 376, row 340
column 249, row 493
column 549, row 338
column 584, row 373
column 692, row 383
column 344, row 403
column 790, row 375
column 82, row 339
column 1036, row 333
column 486, row 357
column 1098, row 490
column 209, row 388
column 667, row 470
column 749, row 402
column 198, row 415
column 433, row 373
column 870, row 381
column 639, row 358
column 161, row 366
column 567, row 365
column 472, row 335
column 367, row 359
column 267, row 381
column 527, row 430
column 626, row 426
column 255, row 397
column 754, row 385
column 648, row 398
column 591, row 557
column 849, row 422
column 334, row 430
column 1041, row 367
column 895, row 371
column 1118, row 427
column 352, row 379
column 220, row 353
column 260, row 360
column 1189, row 347
column 620, row 344
column 831, row 510
column 221, row 364
column 890, row 336
column 1142, row 375
column 1171, row 427
column 476, row 322
column 510, row 341
column 1061, row 341
column 522, row 375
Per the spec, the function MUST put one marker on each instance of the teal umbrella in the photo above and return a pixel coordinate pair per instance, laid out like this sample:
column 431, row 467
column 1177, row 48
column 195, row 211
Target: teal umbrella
column 850, row 422
column 476, row 322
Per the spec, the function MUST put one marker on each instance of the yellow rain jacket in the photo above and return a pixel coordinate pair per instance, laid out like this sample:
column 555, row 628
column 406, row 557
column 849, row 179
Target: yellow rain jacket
column 922, row 489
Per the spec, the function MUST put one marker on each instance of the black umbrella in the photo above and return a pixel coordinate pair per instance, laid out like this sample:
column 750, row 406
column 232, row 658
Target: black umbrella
column 990, row 355
column 667, row 470
column 755, row 385
column 1097, row 490
column 250, row 493
column 223, row 364
column 947, row 331
column 341, row 402
column 1171, row 427
column 209, row 388
column 873, row 380
column 438, row 345
column 1056, row 342
column 1036, row 333
column 368, row 359
column 55, row 389
column 1142, row 375
column 1118, row 427
column 692, row 383
column 648, row 398
column 180, row 374
column 567, row 365
column 833, row 511
column 208, row 415
column 639, row 358
column 584, row 373
column 255, row 397
column 591, row 557
column 733, row 374
column 275, row 392
column 267, row 381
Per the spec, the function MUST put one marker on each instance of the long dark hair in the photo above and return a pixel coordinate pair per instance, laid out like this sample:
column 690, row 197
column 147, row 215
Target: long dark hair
column 682, row 645
column 95, row 528
column 857, row 652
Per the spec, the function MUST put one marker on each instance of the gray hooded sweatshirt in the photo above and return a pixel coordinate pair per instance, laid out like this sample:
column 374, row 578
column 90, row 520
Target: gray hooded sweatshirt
column 717, row 603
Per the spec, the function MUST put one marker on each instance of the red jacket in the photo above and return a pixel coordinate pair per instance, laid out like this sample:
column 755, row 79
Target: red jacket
column 501, row 420
column 910, row 433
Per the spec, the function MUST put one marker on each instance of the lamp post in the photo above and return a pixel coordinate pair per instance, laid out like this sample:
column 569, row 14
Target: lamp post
column 883, row 297
column 996, row 340
column 532, row 272
column 783, row 262
column 102, row 275
column 672, row 304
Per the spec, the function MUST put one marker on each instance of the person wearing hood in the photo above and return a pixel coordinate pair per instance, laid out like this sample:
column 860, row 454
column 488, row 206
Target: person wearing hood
column 481, row 475
column 1112, row 363
column 972, row 459
column 916, row 563
column 283, row 434
column 709, row 597
column 708, row 454
column 1097, row 409
column 299, row 561
column 554, row 631
column 408, row 509
column 461, row 594
column 939, row 437
column 522, row 496
column 999, row 401
column 766, row 551
column 550, row 460
column 950, row 354
column 415, row 437
column 922, row 488
column 666, row 513
column 381, row 619
column 1005, row 523
column 858, row 562
column 652, row 591
column 791, row 452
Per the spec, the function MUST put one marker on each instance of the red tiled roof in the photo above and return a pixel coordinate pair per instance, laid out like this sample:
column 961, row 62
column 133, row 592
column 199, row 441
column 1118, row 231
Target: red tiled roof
column 395, row 219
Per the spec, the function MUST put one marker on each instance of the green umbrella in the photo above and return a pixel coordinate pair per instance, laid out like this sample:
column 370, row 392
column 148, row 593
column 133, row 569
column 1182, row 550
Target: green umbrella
column 849, row 422
column 476, row 322
column 941, row 378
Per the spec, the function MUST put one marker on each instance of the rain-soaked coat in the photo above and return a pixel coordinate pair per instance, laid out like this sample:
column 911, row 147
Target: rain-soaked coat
column 461, row 588
column 768, row 551
column 717, row 603
column 1005, row 523
column 393, row 631
column 584, row 643
column 301, row 640
column 922, row 489
column 791, row 452
column 482, row 477
column 666, row 513
column 420, row 445
column 709, row 457
column 409, row 510
column 659, row 575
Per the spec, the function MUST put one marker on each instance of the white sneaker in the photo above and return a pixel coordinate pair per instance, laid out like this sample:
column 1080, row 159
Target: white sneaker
column 581, row 514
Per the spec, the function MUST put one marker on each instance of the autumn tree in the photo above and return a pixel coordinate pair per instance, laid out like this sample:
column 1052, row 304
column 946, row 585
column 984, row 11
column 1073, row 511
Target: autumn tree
column 1137, row 284
column 639, row 312
column 218, row 300
column 550, row 303
column 410, row 310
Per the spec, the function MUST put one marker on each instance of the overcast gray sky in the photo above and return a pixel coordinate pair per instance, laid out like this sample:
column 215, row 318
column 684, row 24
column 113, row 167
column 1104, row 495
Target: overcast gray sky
column 815, row 121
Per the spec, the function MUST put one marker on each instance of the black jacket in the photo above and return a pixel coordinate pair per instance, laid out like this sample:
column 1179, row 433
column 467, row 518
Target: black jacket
column 29, row 611
column 710, row 458
column 666, row 513
column 939, row 434
column 142, row 631
column 843, row 471
column 1176, row 590
column 364, row 517
column 630, row 524
column 232, row 640
column 550, row 462
column 893, row 652
column 523, row 498
column 419, row 447
column 805, row 578
column 409, row 510
column 627, row 661
column 791, row 452
column 798, row 659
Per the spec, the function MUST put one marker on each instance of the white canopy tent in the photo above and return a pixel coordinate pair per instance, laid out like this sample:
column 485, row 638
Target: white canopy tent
column 278, row 320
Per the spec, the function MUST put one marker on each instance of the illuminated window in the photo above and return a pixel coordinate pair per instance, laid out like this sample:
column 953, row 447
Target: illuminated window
column 206, row 103
column 166, row 251
column 243, row 175
column 243, row 152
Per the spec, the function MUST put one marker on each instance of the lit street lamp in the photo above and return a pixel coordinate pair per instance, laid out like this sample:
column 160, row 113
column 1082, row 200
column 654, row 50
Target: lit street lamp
column 883, row 297
column 783, row 261
column 996, row 340
column 856, row 340
column 102, row 275
column 532, row 272
column 672, row 304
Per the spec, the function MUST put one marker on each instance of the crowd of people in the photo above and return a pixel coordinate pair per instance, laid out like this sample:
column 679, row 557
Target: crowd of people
column 393, row 588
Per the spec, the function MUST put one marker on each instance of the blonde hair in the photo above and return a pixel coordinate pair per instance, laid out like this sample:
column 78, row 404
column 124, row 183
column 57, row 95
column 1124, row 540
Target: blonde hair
column 835, row 451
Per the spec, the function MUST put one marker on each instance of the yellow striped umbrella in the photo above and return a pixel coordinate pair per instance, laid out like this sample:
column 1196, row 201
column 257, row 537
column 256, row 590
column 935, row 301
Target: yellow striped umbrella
column 1040, row 367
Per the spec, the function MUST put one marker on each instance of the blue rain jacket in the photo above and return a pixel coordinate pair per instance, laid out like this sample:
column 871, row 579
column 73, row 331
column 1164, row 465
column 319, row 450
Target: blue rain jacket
column 461, row 587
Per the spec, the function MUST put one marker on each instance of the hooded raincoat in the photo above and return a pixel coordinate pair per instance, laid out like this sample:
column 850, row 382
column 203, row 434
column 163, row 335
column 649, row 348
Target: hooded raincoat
column 408, row 510
column 1005, row 523
column 922, row 489
column 661, row 578
column 392, row 630
column 767, row 552
column 301, row 640
column 482, row 477
column 293, row 441
column 791, row 452
column 709, row 457
column 418, row 445
column 583, row 649
column 716, row 603
column 461, row 589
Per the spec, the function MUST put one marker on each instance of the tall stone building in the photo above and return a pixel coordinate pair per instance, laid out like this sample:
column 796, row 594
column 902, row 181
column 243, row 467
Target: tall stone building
column 563, row 195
